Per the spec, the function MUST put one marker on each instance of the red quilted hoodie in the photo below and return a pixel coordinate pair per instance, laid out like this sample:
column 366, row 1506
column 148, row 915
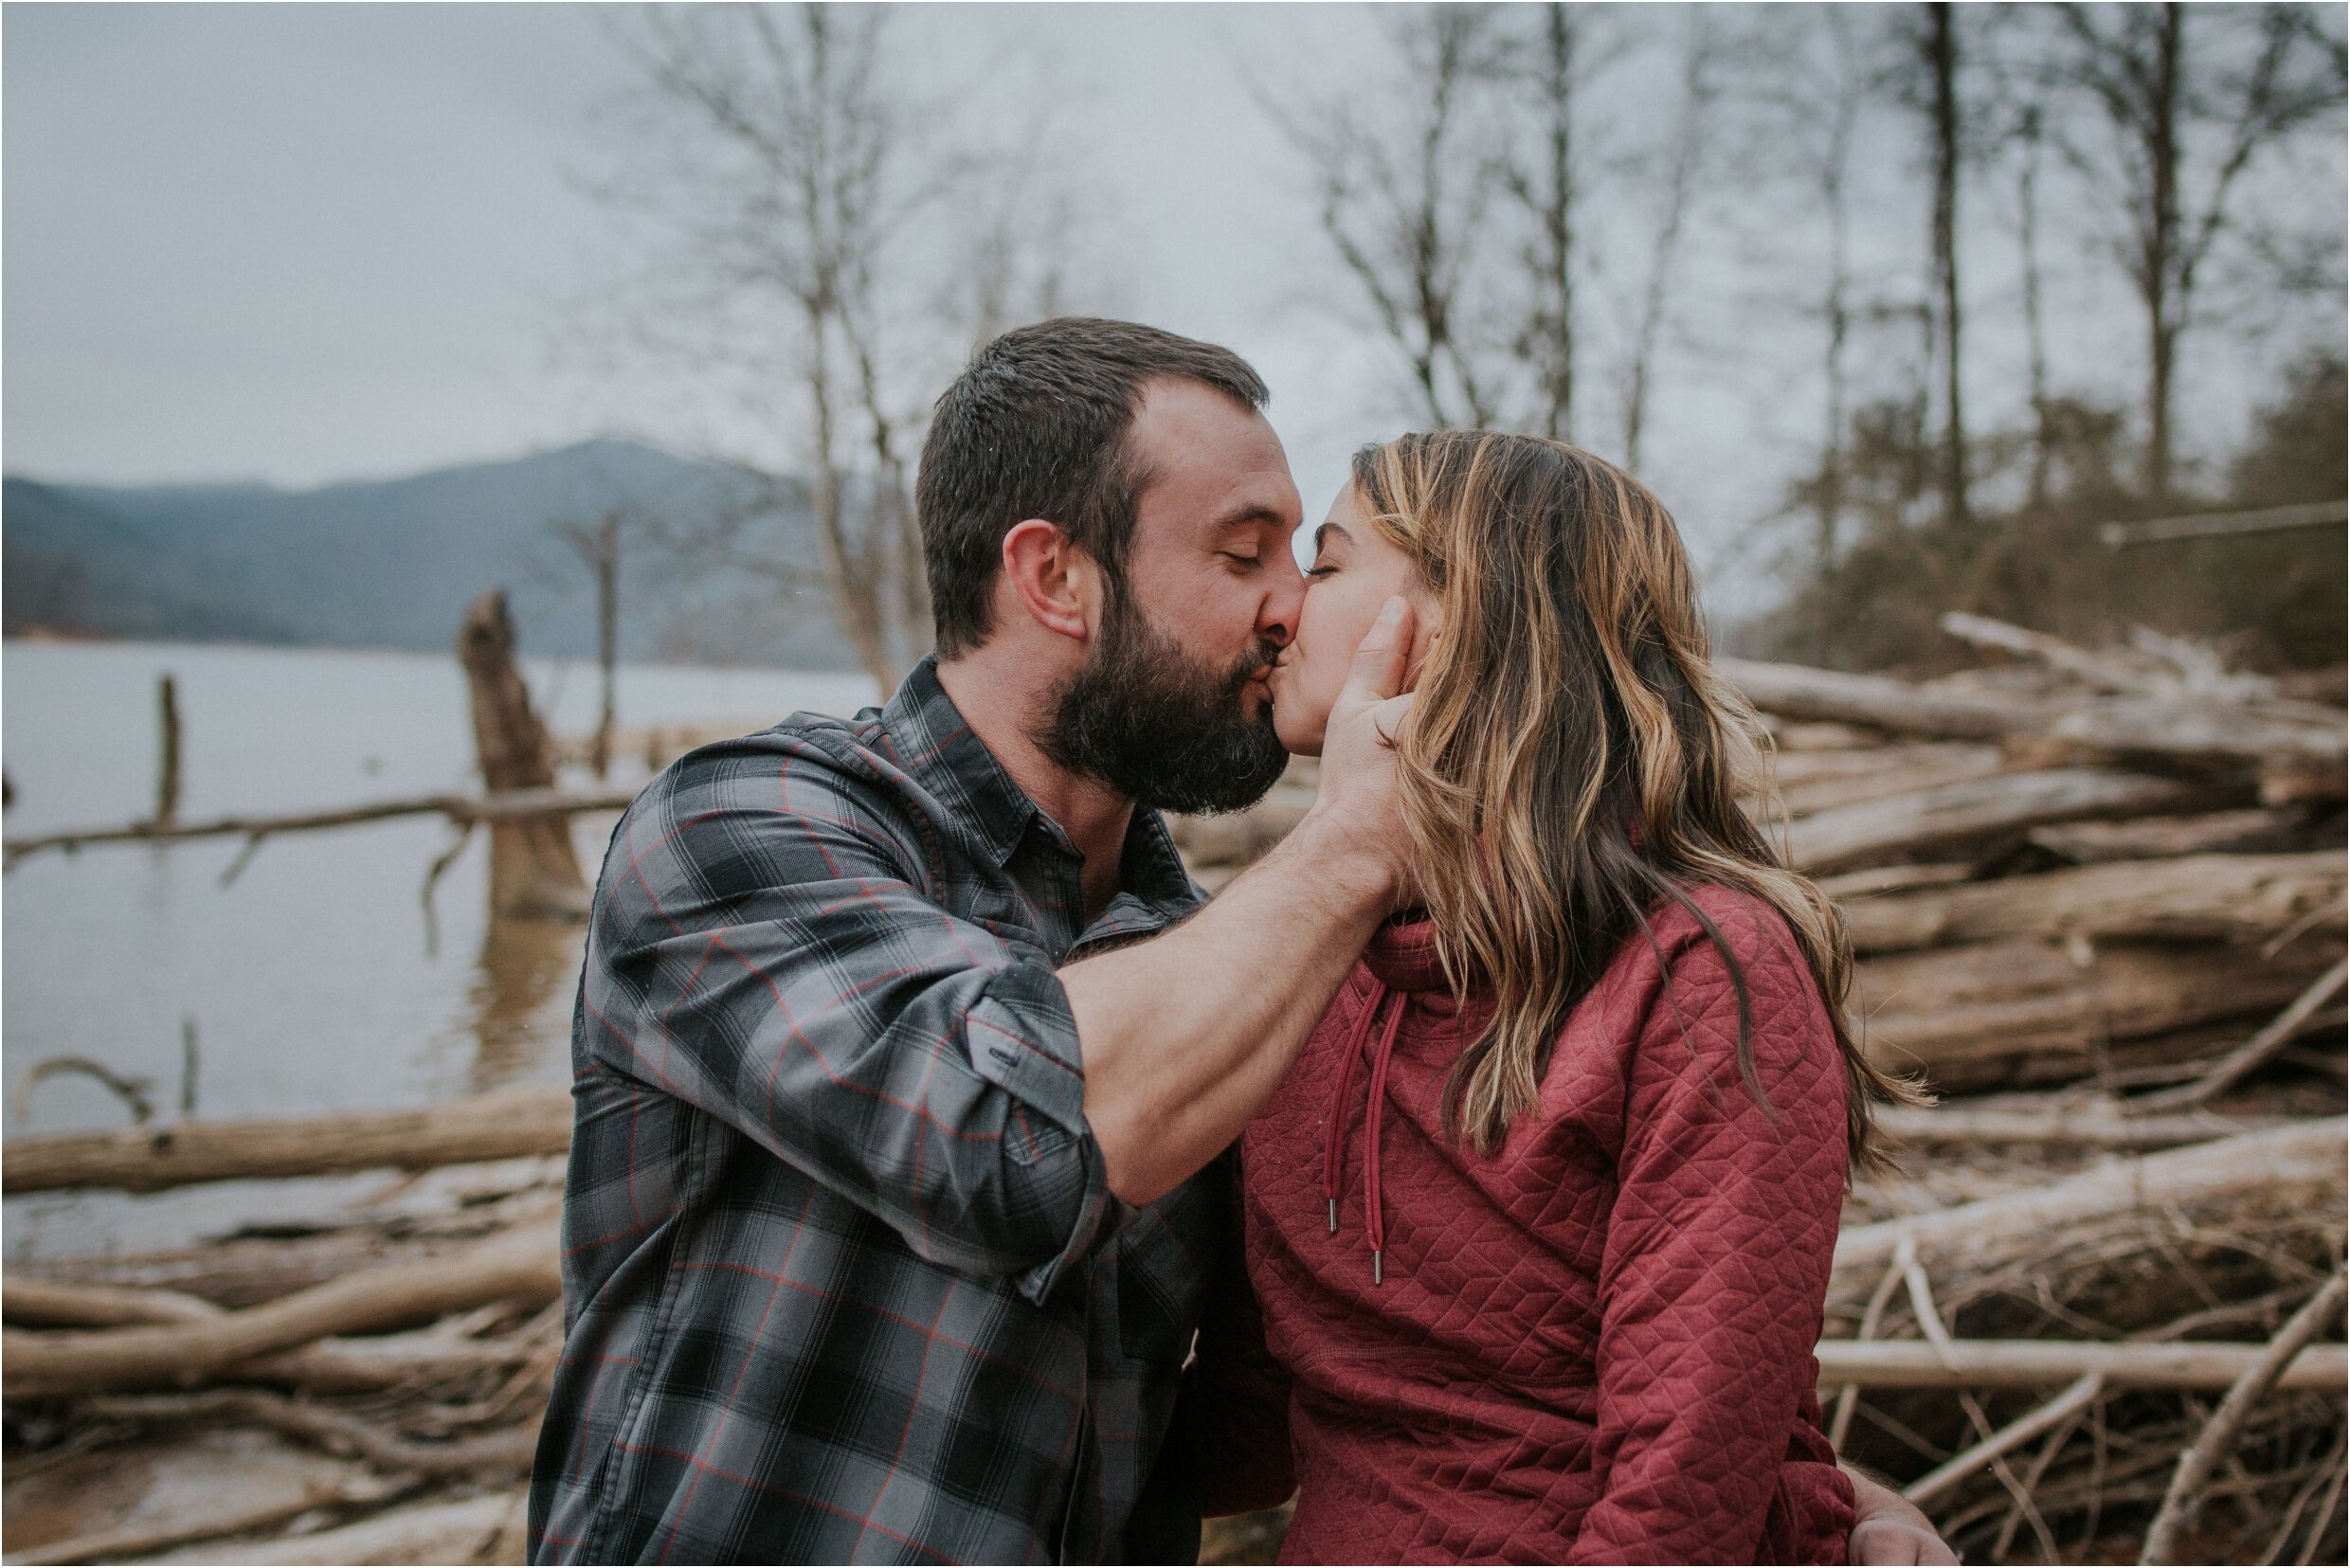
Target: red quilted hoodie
column 1594, row 1347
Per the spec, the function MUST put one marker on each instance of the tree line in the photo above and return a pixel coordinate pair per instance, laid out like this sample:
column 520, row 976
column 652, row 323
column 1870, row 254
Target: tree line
column 1984, row 247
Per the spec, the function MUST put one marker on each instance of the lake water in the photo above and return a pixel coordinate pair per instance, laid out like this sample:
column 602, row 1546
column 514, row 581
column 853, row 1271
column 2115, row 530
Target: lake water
column 312, row 980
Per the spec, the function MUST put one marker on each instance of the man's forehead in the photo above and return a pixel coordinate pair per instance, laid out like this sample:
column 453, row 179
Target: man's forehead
column 1209, row 455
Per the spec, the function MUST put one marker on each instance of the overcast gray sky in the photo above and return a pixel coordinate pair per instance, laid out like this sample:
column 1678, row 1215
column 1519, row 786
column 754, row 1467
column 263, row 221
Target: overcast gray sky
column 307, row 242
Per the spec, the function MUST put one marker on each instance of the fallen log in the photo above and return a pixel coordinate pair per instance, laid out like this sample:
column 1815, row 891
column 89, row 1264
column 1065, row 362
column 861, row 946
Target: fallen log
column 2049, row 1364
column 1880, row 702
column 2102, row 1125
column 480, row 1529
column 2121, row 670
column 1990, row 809
column 500, row 1453
column 521, row 1267
column 2124, row 726
column 330, row 1366
column 2254, row 831
column 499, row 806
column 58, row 1304
column 2205, row 897
column 1804, row 797
column 491, row 1127
column 2297, row 1169
column 122, row 1546
column 2009, row 1014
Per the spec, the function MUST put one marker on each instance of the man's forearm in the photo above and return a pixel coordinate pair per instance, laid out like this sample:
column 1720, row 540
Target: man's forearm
column 1184, row 1036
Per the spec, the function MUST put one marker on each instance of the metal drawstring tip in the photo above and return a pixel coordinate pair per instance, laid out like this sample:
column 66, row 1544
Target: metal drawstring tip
column 1333, row 1203
column 1378, row 1272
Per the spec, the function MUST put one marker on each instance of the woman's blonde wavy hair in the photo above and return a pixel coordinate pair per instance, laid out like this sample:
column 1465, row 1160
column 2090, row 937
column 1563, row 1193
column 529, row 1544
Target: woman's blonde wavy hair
column 1572, row 763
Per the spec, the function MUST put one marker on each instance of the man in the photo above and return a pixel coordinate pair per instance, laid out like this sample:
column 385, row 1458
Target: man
column 899, row 1087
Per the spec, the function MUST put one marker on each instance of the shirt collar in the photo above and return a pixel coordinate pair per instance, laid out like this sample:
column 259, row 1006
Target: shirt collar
column 946, row 756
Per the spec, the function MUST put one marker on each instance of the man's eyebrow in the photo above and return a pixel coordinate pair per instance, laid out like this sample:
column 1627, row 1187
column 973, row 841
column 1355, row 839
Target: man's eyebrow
column 1251, row 516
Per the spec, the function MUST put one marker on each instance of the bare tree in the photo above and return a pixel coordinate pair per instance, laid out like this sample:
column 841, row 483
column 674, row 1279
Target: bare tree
column 1927, row 81
column 816, row 218
column 2188, row 98
column 2029, row 139
column 1684, row 163
column 1841, row 89
column 597, row 545
column 1404, row 204
column 1548, row 183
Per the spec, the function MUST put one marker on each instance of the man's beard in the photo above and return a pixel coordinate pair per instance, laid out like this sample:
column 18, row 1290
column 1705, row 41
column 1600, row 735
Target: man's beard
column 1160, row 728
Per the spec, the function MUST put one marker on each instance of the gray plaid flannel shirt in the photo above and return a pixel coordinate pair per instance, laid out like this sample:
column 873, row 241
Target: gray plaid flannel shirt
column 843, row 1279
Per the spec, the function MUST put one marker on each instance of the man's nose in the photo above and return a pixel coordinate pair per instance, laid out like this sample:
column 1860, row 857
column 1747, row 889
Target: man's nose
column 1277, row 618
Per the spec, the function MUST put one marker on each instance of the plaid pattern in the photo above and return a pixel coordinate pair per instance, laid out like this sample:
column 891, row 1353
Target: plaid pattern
column 843, row 1277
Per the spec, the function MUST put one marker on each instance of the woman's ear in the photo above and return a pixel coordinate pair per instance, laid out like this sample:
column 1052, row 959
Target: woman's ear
column 1052, row 581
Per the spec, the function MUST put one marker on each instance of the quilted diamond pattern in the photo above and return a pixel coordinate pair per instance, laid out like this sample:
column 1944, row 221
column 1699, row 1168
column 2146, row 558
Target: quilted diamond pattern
column 1594, row 1347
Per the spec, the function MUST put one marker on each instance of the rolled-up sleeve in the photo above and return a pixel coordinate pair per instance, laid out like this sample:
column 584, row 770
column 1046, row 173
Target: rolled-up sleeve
column 762, row 949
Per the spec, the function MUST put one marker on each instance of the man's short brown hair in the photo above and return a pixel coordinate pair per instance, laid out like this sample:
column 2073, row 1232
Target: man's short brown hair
column 1037, row 426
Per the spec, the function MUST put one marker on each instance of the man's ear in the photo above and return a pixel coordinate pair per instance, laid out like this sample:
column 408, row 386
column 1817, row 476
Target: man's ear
column 1055, row 584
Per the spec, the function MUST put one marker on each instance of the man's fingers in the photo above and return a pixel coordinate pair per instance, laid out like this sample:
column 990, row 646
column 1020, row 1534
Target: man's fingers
column 1387, row 718
column 1880, row 1543
column 1377, row 673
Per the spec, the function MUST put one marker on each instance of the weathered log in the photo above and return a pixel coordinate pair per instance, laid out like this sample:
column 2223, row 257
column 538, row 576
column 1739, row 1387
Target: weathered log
column 1797, row 692
column 122, row 1546
column 2048, row 1363
column 519, row 1268
column 1879, row 880
column 492, row 1126
column 1804, row 797
column 2287, row 1170
column 2207, row 897
column 533, row 869
column 478, row 1529
column 2121, row 670
column 2254, row 831
column 2016, row 1014
column 2248, row 1057
column 2101, row 1125
column 59, row 1303
column 333, row 1366
column 1985, row 810
column 500, row 1453
column 2124, row 726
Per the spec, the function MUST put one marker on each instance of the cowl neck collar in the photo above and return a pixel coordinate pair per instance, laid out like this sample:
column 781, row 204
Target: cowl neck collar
column 1402, row 954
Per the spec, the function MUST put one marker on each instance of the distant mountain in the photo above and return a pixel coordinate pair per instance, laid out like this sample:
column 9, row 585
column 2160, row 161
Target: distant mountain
column 393, row 563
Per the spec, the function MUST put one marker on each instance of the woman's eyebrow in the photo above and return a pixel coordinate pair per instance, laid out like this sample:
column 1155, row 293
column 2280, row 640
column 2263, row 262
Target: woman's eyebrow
column 1326, row 530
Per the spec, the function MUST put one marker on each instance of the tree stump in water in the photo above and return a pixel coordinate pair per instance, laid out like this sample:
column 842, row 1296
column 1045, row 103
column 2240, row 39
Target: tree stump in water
column 534, row 871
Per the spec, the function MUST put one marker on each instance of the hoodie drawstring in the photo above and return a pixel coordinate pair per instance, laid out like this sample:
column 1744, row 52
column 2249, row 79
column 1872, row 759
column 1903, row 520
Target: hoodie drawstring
column 1334, row 1136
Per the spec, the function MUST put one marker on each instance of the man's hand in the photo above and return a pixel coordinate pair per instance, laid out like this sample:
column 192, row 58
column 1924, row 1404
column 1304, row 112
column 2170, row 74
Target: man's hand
column 1888, row 1530
column 1355, row 802
column 1186, row 1034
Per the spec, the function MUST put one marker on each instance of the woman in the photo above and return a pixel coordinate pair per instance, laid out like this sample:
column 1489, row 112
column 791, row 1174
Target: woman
column 1540, row 1224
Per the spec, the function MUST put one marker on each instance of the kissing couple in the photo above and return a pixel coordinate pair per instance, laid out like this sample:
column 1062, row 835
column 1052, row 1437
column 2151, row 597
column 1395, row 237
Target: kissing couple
column 952, row 1182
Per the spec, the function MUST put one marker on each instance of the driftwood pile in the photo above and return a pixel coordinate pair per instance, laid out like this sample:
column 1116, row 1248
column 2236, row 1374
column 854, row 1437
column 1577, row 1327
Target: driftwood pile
column 2096, row 1316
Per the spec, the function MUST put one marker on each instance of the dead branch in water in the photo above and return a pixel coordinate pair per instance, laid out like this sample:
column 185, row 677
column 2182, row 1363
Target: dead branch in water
column 501, row 806
column 490, row 1127
column 521, row 1267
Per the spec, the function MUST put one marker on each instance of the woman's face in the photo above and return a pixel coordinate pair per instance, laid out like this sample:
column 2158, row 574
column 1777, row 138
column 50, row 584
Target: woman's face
column 1355, row 571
